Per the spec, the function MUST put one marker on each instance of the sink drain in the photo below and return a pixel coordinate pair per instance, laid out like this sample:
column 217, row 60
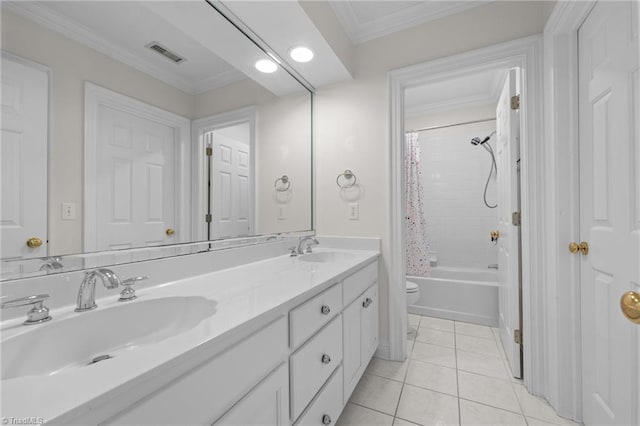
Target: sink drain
column 99, row 358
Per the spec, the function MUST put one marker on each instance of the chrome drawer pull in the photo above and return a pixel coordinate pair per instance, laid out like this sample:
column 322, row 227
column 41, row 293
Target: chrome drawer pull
column 325, row 310
column 326, row 420
column 326, row 359
column 367, row 302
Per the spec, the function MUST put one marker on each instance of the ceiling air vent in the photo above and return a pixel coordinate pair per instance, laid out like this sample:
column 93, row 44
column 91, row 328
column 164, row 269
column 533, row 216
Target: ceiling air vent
column 172, row 56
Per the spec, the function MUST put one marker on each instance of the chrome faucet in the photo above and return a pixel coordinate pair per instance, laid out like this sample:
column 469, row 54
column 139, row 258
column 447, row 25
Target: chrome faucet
column 309, row 240
column 87, row 292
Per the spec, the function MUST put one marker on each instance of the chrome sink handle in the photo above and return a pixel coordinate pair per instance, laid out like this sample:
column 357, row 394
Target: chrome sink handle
column 36, row 315
column 129, row 293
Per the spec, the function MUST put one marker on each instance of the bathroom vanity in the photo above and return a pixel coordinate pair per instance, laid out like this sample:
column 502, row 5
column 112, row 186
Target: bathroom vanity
column 280, row 341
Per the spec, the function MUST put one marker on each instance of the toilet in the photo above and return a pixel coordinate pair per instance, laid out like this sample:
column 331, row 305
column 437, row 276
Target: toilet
column 413, row 293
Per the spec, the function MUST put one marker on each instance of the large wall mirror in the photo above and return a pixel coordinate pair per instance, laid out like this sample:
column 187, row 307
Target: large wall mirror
column 135, row 124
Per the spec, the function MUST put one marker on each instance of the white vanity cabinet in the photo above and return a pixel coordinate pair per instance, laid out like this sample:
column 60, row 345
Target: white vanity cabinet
column 360, row 330
column 203, row 395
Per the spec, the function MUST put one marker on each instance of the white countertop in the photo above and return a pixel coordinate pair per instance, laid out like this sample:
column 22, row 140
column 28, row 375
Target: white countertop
column 248, row 297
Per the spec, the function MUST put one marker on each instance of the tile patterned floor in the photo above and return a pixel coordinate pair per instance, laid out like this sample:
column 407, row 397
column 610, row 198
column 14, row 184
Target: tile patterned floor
column 455, row 374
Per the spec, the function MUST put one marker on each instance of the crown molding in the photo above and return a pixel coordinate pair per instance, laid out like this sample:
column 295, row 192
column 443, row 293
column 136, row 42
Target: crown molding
column 402, row 19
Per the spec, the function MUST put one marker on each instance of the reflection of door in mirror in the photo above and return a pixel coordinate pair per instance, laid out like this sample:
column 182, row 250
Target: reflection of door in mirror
column 25, row 111
column 132, row 180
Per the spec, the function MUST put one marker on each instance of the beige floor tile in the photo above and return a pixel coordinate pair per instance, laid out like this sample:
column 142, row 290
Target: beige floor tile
column 356, row 415
column 487, row 365
column 472, row 413
column 537, row 422
column 434, row 354
column 377, row 393
column 393, row 370
column 410, row 343
column 437, row 324
column 401, row 422
column 427, row 408
column 436, row 337
column 487, row 390
column 477, row 344
column 432, row 376
column 414, row 320
column 473, row 330
column 537, row 408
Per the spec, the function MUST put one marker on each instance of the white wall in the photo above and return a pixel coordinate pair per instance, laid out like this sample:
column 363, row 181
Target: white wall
column 352, row 117
column 454, row 176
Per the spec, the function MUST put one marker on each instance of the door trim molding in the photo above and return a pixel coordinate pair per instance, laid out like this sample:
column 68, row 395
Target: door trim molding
column 561, row 201
column 212, row 122
column 97, row 96
column 525, row 53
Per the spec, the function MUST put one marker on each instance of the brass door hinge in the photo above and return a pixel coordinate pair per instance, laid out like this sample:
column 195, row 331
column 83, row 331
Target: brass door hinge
column 515, row 102
column 517, row 336
column 516, row 219
column 207, row 218
column 209, row 151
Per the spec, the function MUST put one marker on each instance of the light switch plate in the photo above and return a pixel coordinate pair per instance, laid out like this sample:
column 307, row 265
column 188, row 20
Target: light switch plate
column 69, row 211
column 354, row 211
column 281, row 213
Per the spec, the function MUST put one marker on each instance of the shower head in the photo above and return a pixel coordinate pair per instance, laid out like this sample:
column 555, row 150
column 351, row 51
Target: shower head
column 478, row 141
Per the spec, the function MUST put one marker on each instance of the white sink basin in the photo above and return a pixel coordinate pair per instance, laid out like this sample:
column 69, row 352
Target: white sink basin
column 325, row 257
column 77, row 341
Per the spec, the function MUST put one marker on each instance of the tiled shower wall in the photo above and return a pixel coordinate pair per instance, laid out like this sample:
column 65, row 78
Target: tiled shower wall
column 454, row 176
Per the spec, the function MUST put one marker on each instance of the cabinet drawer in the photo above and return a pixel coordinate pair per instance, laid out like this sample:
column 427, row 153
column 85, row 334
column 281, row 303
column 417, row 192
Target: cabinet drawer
column 309, row 317
column 204, row 394
column 313, row 363
column 328, row 403
column 354, row 285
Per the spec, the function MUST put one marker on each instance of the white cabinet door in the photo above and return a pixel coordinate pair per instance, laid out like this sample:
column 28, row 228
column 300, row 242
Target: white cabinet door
column 360, row 334
column 609, row 211
column 352, row 357
column 23, row 154
column 266, row 404
column 507, row 156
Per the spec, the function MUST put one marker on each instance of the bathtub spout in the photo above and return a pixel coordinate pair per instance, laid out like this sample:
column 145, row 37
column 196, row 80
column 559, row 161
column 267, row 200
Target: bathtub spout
column 493, row 266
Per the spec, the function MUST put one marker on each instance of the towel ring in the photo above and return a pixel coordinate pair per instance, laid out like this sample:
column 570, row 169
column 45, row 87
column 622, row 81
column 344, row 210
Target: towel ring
column 284, row 185
column 348, row 181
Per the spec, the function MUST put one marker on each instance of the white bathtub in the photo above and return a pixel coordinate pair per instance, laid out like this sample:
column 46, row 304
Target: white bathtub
column 460, row 294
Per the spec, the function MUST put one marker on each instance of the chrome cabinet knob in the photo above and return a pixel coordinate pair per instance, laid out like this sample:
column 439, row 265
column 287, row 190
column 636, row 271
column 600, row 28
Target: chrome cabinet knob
column 367, row 302
column 325, row 310
column 129, row 293
column 326, row 359
column 36, row 315
column 326, row 420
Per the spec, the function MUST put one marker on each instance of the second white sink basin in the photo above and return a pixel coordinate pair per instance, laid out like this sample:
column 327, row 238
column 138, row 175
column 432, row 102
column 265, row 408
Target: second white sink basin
column 99, row 335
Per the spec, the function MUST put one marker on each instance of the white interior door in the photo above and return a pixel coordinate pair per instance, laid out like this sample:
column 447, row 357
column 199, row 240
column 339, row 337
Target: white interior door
column 231, row 199
column 507, row 156
column 135, row 181
column 609, row 211
column 25, row 115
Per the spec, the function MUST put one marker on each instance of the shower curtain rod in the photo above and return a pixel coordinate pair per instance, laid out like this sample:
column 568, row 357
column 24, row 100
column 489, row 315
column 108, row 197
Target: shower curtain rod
column 451, row 125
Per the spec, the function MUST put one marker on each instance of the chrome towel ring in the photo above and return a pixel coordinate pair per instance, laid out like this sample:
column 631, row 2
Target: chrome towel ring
column 282, row 184
column 349, row 179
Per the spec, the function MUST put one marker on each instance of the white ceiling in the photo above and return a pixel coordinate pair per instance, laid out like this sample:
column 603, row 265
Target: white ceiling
column 366, row 20
column 478, row 89
column 216, row 53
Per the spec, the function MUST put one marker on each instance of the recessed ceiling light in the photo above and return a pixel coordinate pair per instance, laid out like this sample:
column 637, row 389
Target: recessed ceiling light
column 266, row 66
column 301, row 54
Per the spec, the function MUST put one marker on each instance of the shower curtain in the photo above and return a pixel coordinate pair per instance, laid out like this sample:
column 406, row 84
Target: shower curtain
column 418, row 251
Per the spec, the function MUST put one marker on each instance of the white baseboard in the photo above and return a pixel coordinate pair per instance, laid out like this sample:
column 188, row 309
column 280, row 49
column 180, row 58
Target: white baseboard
column 453, row 315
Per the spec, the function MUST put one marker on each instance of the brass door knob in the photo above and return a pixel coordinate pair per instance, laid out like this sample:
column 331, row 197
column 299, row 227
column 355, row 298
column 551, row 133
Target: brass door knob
column 495, row 235
column 583, row 247
column 34, row 242
column 630, row 305
column 170, row 231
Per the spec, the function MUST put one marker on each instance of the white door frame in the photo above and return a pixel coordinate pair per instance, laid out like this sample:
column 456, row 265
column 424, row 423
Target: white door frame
column 96, row 96
column 206, row 124
column 524, row 53
column 562, row 207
